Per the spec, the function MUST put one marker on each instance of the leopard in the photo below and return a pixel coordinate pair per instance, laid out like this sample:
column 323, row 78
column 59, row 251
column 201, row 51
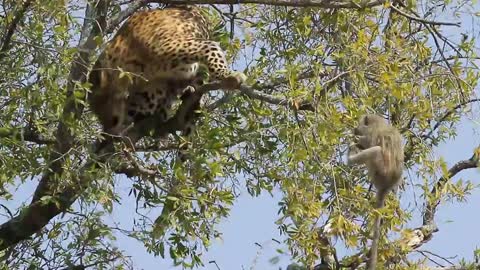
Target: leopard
column 150, row 59
column 156, row 98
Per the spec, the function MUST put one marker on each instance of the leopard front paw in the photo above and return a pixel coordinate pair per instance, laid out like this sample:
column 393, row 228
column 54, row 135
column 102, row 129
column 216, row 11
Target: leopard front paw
column 187, row 92
column 234, row 80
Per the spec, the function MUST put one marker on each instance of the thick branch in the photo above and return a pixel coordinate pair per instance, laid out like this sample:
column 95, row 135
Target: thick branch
column 24, row 135
column 39, row 212
column 120, row 17
column 135, row 5
column 43, row 209
column 78, row 73
column 428, row 217
column 292, row 3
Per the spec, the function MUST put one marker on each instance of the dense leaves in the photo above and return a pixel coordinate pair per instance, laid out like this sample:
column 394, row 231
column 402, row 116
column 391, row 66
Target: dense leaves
column 312, row 72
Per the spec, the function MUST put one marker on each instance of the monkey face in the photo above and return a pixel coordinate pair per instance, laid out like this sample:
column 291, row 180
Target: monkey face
column 362, row 132
column 357, row 131
column 359, row 139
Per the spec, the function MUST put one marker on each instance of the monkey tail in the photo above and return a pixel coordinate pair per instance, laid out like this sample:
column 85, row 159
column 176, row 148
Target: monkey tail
column 372, row 261
column 380, row 198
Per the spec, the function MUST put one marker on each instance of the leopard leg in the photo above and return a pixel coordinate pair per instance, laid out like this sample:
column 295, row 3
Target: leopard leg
column 190, row 115
column 207, row 52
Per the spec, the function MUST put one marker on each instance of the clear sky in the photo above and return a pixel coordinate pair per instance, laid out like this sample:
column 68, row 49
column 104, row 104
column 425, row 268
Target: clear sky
column 252, row 219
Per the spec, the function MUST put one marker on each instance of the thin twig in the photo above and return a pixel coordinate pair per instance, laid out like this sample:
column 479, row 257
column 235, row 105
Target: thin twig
column 418, row 19
column 448, row 113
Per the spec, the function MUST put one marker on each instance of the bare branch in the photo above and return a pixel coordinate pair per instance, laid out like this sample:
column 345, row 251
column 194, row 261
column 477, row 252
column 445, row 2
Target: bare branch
column 418, row 19
column 297, row 105
column 119, row 18
column 136, row 5
column 139, row 168
column 448, row 113
column 292, row 3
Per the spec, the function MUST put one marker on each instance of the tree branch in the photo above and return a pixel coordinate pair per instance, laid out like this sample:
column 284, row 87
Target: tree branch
column 41, row 211
column 43, row 208
column 73, row 110
column 418, row 19
column 428, row 216
column 136, row 5
column 292, row 3
column 24, row 135
column 7, row 38
column 120, row 17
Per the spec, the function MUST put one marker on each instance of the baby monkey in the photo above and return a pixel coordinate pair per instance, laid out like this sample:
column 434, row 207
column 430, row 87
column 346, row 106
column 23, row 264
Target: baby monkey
column 379, row 147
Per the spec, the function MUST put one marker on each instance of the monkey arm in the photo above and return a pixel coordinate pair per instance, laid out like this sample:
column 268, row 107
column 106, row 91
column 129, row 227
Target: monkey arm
column 362, row 142
column 365, row 156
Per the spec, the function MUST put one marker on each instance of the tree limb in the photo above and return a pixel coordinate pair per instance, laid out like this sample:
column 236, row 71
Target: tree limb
column 418, row 19
column 428, row 216
column 136, row 5
column 24, row 135
column 78, row 73
column 124, row 14
column 7, row 38
column 46, row 205
column 40, row 212
column 292, row 3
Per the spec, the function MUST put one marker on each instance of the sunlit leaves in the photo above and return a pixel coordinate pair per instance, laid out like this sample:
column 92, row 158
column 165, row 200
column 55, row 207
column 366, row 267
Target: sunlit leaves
column 341, row 63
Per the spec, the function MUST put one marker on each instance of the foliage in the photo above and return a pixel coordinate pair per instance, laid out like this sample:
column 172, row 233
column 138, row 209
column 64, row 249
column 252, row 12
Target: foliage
column 312, row 72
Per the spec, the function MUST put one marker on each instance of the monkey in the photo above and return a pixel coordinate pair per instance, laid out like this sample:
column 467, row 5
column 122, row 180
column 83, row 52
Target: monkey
column 379, row 147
